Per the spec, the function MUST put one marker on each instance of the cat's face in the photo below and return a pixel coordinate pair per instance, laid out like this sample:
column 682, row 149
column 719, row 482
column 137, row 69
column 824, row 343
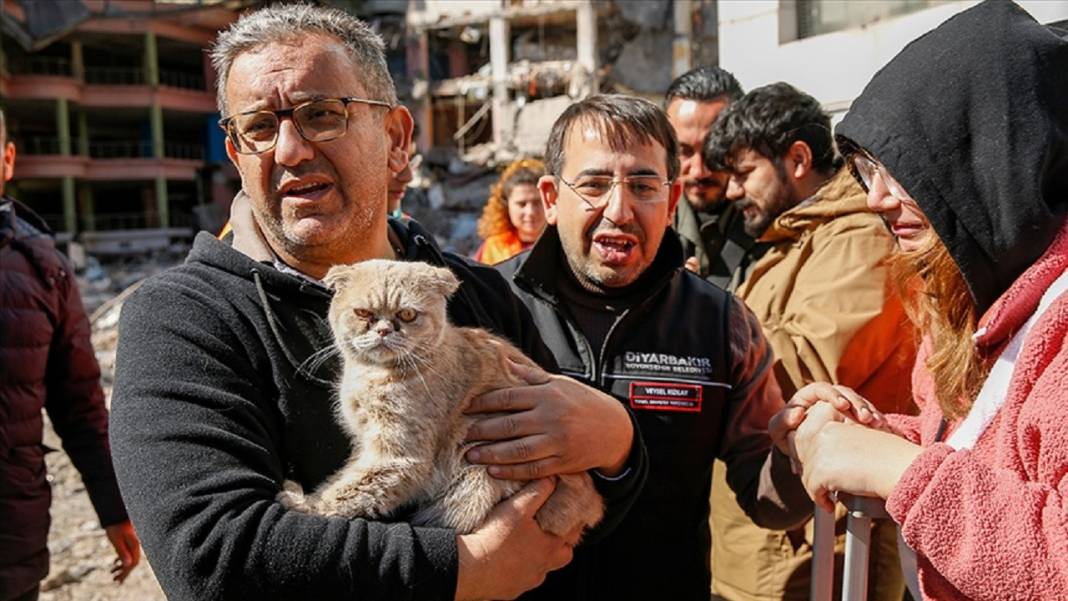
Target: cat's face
column 389, row 312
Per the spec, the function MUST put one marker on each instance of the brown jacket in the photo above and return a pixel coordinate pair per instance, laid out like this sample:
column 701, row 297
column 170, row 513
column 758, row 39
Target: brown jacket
column 822, row 294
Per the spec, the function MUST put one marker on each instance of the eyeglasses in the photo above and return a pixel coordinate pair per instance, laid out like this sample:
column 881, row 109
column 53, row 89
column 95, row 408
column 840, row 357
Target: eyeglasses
column 321, row 120
column 596, row 190
column 865, row 170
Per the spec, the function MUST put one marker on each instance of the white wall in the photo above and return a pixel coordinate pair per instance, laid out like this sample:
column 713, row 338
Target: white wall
column 832, row 67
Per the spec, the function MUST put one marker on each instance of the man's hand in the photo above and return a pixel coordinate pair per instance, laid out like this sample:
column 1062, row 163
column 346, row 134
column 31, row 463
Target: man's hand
column 555, row 427
column 127, row 549
column 693, row 265
column 510, row 554
column 844, row 400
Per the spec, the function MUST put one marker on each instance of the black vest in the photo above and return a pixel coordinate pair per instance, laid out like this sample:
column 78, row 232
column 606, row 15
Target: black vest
column 667, row 360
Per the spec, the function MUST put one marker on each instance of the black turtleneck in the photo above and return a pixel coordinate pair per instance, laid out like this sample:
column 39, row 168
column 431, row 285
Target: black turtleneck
column 595, row 308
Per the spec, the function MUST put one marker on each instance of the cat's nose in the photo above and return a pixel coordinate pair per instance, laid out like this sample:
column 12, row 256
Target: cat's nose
column 383, row 331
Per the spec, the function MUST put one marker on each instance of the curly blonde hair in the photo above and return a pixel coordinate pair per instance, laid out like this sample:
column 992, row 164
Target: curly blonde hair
column 494, row 218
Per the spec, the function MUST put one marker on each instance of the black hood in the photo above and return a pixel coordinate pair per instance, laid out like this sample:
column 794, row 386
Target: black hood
column 972, row 119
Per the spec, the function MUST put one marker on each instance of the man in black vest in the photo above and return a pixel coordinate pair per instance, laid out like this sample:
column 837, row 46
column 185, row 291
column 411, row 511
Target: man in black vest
column 711, row 230
column 609, row 296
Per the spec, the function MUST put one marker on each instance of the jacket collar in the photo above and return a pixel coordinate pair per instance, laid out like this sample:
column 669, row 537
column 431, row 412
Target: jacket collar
column 1018, row 303
column 838, row 196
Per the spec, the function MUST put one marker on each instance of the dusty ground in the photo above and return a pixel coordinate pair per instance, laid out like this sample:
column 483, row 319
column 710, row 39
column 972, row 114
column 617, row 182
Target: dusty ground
column 81, row 554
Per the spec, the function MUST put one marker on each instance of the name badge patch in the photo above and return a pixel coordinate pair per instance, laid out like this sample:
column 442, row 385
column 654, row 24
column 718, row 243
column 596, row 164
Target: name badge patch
column 665, row 396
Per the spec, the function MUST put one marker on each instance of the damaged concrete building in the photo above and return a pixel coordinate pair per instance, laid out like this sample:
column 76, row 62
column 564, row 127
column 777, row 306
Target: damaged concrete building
column 485, row 79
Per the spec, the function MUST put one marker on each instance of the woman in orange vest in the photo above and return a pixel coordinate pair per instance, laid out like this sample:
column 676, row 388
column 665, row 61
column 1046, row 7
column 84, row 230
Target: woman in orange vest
column 513, row 217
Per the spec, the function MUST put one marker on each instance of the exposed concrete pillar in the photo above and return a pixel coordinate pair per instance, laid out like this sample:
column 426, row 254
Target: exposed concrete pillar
column 70, row 211
column 586, row 40
column 163, row 208
column 499, row 43
column 87, row 206
column 418, row 55
column 681, row 56
column 151, row 59
column 77, row 63
column 155, row 117
column 63, row 125
column 83, row 133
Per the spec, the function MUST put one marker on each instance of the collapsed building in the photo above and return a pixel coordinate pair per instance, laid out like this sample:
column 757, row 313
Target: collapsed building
column 485, row 80
column 111, row 102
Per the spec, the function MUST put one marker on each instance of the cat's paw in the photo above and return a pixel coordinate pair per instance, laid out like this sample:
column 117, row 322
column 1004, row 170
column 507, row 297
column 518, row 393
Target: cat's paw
column 354, row 502
column 292, row 497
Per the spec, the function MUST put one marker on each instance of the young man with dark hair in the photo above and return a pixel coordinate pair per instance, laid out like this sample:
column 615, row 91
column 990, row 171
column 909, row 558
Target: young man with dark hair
column 713, row 240
column 822, row 296
column 47, row 364
column 605, row 288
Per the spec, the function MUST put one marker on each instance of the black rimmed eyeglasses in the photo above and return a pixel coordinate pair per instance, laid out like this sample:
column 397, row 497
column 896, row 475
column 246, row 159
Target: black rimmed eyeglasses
column 320, row 120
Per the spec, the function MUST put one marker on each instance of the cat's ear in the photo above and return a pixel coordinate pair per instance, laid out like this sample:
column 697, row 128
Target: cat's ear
column 338, row 277
column 442, row 281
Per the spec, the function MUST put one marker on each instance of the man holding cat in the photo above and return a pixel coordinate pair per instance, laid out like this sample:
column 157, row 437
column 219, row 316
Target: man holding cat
column 609, row 295
column 222, row 386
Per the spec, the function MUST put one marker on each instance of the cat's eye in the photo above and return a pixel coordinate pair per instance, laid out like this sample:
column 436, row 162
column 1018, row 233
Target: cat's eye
column 406, row 314
column 364, row 314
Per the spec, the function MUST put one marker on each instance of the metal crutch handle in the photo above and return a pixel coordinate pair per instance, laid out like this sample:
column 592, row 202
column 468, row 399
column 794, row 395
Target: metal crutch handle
column 862, row 510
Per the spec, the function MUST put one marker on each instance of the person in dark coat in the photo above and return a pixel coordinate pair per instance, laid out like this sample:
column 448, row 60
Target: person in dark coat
column 222, row 388
column 46, row 361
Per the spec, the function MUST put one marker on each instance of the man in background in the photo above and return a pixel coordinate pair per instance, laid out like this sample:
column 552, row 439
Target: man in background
column 714, row 242
column 46, row 362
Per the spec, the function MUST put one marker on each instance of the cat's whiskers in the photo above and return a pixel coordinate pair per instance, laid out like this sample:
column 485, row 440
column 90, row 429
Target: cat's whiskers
column 411, row 360
column 318, row 358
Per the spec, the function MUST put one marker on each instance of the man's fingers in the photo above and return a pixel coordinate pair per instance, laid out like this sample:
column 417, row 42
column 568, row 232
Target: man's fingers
column 528, row 374
column 793, row 415
column 531, row 497
column 856, row 406
column 509, row 452
column 516, row 398
column 526, row 471
column 562, row 557
column 812, row 393
column 693, row 264
column 501, row 427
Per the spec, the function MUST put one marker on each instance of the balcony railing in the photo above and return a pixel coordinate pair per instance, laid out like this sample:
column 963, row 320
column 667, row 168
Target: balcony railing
column 36, row 145
column 120, row 76
column 121, row 149
column 177, row 150
column 41, row 65
column 113, row 149
column 134, row 149
column 182, row 79
column 115, row 76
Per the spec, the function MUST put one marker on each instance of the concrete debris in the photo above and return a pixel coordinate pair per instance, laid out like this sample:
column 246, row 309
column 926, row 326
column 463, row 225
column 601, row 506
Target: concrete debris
column 653, row 14
column 534, row 122
column 640, row 65
column 551, row 44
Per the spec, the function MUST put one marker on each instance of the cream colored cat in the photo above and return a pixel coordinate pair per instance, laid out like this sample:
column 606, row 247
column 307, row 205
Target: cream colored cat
column 408, row 375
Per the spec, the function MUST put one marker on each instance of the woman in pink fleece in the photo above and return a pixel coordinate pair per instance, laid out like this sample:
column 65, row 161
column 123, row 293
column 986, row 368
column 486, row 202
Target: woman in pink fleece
column 962, row 143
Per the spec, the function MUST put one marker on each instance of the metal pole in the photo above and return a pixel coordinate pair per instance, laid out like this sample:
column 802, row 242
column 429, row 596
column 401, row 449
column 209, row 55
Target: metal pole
column 822, row 556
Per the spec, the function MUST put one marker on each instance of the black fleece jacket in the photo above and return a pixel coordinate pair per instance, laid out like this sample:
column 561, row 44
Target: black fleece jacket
column 972, row 119
column 220, row 395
